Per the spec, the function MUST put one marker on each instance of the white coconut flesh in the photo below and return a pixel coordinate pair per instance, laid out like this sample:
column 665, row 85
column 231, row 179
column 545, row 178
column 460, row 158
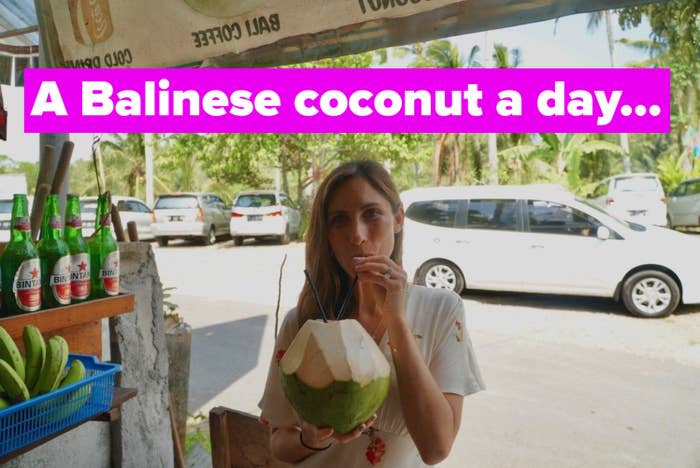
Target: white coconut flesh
column 327, row 352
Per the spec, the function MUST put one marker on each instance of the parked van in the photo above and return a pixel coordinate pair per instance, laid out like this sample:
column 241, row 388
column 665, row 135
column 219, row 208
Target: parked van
column 684, row 204
column 637, row 197
column 545, row 240
column 189, row 215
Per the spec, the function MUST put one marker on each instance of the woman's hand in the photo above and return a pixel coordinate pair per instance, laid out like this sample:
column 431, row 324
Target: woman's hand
column 387, row 274
column 321, row 437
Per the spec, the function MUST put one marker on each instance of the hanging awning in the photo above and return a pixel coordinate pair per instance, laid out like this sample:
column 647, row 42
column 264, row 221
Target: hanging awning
column 18, row 28
column 236, row 33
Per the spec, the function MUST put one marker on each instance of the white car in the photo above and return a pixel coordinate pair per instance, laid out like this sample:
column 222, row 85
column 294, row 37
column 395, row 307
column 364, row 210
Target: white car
column 684, row 204
column 544, row 240
column 130, row 209
column 264, row 213
column 637, row 197
column 6, row 215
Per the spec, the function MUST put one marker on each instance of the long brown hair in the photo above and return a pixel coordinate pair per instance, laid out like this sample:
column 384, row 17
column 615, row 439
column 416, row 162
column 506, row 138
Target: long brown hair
column 324, row 270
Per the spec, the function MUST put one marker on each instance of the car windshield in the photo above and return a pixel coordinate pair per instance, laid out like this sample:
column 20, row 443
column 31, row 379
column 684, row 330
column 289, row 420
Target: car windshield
column 637, row 184
column 88, row 207
column 176, row 202
column 604, row 214
column 255, row 200
column 5, row 206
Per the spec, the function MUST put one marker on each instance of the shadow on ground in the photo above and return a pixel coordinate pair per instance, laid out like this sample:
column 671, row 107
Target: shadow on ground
column 559, row 302
column 222, row 354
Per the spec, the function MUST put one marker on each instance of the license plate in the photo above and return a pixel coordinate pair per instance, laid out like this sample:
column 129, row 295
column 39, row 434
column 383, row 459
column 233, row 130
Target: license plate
column 638, row 212
column 254, row 217
column 176, row 218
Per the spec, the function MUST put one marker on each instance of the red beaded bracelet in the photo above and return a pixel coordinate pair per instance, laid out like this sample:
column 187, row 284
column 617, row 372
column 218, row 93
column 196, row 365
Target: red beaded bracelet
column 313, row 448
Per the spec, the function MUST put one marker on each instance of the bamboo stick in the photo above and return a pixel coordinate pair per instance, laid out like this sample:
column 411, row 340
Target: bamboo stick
column 43, row 187
column 62, row 168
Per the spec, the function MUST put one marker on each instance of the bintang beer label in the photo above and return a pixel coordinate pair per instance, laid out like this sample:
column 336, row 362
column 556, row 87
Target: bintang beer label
column 109, row 274
column 80, row 276
column 60, row 280
column 27, row 285
column 91, row 20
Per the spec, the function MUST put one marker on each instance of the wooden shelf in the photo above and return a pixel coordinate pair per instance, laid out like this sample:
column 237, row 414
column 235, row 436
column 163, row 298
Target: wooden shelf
column 119, row 396
column 80, row 324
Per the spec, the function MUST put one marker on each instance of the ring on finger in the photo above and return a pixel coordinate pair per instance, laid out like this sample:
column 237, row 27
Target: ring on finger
column 387, row 273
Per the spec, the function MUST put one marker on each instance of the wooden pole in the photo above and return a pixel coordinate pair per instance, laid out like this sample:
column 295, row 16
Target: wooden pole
column 43, row 187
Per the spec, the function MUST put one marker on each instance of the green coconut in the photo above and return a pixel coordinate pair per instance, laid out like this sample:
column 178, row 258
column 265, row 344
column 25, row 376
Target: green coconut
column 334, row 374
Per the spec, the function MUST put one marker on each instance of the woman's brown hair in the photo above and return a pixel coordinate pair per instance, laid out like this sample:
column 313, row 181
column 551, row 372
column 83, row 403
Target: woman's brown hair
column 330, row 279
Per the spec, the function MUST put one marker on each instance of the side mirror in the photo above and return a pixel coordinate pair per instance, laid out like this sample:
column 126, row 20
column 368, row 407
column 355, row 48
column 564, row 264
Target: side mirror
column 603, row 233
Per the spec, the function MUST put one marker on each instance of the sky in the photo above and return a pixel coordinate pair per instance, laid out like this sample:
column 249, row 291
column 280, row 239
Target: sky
column 571, row 46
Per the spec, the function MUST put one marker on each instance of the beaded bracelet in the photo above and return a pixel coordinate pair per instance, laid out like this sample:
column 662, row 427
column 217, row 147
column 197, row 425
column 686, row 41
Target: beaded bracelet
column 313, row 448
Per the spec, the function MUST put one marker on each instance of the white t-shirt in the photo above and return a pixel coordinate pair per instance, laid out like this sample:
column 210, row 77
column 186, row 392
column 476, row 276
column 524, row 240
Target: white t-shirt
column 436, row 318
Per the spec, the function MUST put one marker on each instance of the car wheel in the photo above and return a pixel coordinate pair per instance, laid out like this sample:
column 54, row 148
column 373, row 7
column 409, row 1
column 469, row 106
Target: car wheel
column 286, row 237
column 651, row 294
column 162, row 241
column 210, row 238
column 237, row 240
column 441, row 274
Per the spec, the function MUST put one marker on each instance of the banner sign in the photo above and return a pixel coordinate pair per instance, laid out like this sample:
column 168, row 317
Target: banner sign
column 239, row 33
column 347, row 100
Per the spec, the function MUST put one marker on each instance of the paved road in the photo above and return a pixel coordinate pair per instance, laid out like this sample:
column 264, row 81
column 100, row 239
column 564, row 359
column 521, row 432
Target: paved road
column 572, row 382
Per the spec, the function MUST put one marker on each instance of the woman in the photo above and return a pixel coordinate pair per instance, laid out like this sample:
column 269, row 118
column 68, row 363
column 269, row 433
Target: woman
column 356, row 228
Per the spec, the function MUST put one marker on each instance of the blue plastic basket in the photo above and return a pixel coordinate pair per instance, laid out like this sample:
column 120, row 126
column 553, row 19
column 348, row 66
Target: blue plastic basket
column 24, row 423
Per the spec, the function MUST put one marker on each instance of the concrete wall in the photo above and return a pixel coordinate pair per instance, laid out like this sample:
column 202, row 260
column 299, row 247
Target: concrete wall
column 146, row 436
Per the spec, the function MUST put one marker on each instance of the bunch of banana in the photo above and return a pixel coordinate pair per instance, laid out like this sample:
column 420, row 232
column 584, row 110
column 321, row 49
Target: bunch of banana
column 42, row 369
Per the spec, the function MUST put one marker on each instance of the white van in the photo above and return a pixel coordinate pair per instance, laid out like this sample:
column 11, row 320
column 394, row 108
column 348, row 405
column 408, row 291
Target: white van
column 544, row 240
column 637, row 197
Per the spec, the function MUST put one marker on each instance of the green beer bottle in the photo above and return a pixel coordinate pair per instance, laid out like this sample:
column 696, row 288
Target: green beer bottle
column 21, row 270
column 54, row 258
column 104, row 253
column 78, row 248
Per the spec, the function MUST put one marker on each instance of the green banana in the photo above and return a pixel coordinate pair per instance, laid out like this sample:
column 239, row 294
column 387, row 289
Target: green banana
column 64, row 362
column 35, row 354
column 14, row 385
column 4, row 403
column 10, row 353
column 76, row 373
column 54, row 364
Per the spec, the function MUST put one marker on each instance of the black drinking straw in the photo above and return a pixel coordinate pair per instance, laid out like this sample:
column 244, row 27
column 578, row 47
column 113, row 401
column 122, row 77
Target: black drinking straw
column 346, row 301
column 314, row 293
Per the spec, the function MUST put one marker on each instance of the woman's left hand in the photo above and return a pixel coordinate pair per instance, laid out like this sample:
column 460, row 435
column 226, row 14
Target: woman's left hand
column 387, row 274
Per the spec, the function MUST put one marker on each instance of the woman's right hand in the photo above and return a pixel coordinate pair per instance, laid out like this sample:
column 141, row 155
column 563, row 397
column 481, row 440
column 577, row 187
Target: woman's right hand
column 320, row 437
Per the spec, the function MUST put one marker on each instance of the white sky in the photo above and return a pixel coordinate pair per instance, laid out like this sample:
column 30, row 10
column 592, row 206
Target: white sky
column 572, row 46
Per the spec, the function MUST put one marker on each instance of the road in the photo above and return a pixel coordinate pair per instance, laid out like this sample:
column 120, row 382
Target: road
column 572, row 382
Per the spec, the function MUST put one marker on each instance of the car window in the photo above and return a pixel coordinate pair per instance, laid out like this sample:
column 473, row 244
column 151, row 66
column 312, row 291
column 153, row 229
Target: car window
column 123, row 206
column 637, row 184
column 88, row 207
column 140, row 207
column 255, row 200
column 441, row 213
column 693, row 188
column 555, row 218
column 679, row 191
column 493, row 214
column 176, row 202
column 5, row 206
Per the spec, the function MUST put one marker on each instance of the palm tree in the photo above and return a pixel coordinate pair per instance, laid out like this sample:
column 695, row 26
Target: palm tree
column 563, row 152
column 502, row 58
column 125, row 154
column 440, row 54
column 594, row 20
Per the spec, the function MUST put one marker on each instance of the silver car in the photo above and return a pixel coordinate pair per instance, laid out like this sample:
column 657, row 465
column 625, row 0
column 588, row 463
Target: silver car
column 191, row 215
column 130, row 209
column 684, row 204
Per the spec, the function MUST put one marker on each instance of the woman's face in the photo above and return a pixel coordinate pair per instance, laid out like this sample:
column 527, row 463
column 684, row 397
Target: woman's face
column 360, row 223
